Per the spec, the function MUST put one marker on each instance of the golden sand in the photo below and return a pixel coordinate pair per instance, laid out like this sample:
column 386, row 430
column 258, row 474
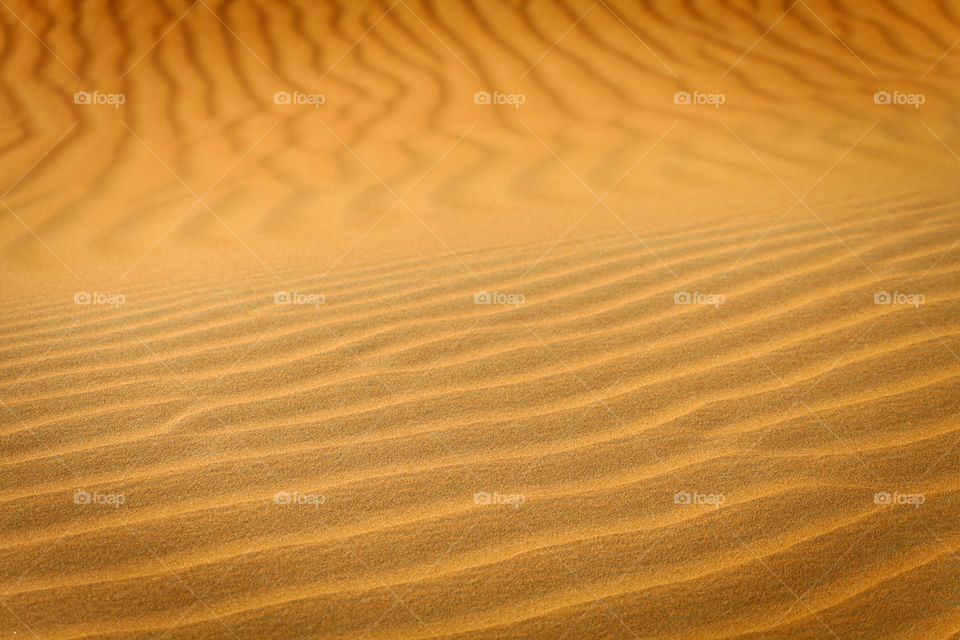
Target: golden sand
column 479, row 319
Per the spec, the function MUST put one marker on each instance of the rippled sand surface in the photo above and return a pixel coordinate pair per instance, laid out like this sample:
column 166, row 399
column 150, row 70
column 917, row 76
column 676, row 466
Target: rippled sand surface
column 479, row 319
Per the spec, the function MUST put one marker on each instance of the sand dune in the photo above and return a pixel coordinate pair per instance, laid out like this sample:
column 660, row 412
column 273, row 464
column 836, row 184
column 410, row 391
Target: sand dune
column 304, row 338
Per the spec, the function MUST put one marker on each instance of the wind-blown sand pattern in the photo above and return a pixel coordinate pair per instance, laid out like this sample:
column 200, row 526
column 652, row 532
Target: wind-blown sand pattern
column 302, row 338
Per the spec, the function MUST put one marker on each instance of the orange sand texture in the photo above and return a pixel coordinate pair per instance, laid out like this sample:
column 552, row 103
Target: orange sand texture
column 302, row 337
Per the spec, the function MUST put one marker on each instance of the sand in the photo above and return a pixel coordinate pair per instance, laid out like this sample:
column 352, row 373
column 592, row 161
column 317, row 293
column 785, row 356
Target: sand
column 548, row 319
